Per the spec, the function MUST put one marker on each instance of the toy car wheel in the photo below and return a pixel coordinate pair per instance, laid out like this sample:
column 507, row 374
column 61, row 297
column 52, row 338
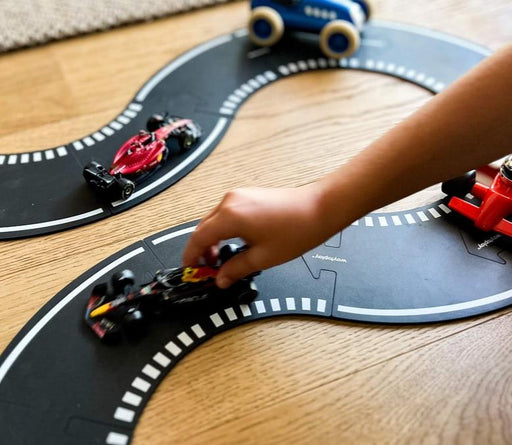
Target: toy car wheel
column 227, row 252
column 339, row 38
column 112, row 334
column 266, row 26
column 367, row 7
column 122, row 279
column 248, row 294
column 187, row 141
column 100, row 290
column 134, row 322
column 126, row 188
column 155, row 122
column 461, row 185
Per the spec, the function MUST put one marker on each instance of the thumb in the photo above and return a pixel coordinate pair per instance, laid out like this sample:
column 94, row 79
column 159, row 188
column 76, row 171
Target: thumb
column 237, row 268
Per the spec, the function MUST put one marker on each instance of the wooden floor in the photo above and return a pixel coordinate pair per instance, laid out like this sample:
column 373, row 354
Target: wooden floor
column 296, row 380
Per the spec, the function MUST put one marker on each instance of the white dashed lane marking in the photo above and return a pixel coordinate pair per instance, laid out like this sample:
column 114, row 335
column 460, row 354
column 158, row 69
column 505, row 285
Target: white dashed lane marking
column 124, row 414
column 198, row 331
column 141, row 384
column 230, row 313
column 151, row 371
column 246, row 310
column 260, row 307
column 114, row 438
column 162, row 359
column 173, row 348
column 185, row 339
column 131, row 399
column 216, row 320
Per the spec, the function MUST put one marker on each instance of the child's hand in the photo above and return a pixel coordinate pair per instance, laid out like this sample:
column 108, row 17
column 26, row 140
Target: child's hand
column 276, row 224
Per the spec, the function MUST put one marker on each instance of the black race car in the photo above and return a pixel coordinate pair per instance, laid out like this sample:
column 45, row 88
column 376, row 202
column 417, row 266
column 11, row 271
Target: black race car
column 124, row 306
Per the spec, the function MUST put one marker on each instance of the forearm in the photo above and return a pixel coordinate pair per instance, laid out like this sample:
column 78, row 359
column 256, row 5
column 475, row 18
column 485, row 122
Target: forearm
column 467, row 125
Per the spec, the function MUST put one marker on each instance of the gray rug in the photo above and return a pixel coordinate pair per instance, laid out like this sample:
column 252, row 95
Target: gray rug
column 31, row 22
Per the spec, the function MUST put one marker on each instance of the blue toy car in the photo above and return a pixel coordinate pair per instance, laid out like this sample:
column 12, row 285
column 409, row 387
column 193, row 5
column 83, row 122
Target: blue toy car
column 339, row 22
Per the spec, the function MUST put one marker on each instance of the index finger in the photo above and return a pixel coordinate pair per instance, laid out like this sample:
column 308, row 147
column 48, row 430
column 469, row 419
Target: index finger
column 207, row 234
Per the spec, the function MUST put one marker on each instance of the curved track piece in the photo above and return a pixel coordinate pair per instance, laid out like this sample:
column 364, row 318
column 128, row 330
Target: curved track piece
column 58, row 382
column 44, row 191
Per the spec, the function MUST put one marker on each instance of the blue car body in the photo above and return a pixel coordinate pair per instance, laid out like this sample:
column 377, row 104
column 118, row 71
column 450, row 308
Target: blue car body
column 313, row 15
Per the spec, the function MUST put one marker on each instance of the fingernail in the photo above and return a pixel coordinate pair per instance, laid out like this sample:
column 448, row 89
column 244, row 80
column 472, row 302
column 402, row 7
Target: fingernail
column 223, row 282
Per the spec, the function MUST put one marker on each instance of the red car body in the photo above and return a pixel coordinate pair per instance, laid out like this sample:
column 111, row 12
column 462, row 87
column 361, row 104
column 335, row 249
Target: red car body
column 144, row 151
column 140, row 155
column 496, row 201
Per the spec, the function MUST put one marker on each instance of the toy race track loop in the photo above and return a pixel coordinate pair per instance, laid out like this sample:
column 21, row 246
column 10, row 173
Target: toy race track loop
column 44, row 191
column 338, row 280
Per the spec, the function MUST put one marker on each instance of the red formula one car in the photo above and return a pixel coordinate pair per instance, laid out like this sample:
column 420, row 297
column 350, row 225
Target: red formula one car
column 141, row 155
column 123, row 306
column 496, row 199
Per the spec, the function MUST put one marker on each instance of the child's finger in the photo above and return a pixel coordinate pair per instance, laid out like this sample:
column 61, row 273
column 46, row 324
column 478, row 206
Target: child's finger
column 238, row 267
column 206, row 235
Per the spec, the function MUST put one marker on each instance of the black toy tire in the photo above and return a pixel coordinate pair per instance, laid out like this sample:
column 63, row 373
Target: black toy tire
column 187, row 141
column 113, row 335
column 134, row 323
column 100, row 290
column 122, row 279
column 227, row 252
column 461, row 185
column 155, row 122
column 248, row 294
column 126, row 188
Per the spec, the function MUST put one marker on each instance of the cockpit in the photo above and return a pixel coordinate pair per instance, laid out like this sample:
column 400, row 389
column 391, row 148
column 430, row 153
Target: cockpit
column 143, row 139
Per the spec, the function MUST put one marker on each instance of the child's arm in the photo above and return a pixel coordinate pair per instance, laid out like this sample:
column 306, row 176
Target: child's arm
column 468, row 125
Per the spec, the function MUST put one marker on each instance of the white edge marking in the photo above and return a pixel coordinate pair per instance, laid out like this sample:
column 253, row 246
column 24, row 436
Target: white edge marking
column 198, row 152
column 50, row 223
column 163, row 73
column 22, row 344
column 428, row 310
column 173, row 235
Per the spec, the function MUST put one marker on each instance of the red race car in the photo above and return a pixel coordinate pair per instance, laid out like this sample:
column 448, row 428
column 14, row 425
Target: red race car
column 141, row 155
column 496, row 199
